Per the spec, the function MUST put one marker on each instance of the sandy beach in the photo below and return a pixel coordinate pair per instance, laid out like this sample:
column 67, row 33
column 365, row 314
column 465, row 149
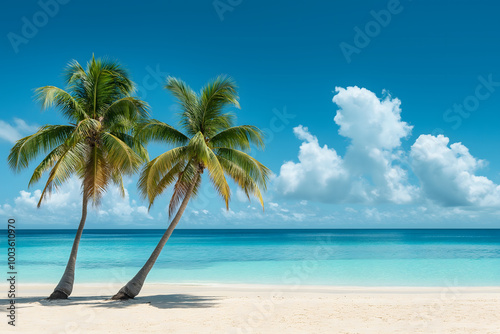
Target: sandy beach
column 167, row 308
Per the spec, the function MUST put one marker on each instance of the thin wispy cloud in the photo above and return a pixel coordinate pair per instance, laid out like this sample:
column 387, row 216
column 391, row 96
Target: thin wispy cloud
column 15, row 130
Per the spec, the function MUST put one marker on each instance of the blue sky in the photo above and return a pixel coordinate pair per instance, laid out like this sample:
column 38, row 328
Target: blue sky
column 384, row 165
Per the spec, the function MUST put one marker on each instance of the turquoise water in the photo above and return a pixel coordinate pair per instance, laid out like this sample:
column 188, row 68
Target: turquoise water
column 309, row 257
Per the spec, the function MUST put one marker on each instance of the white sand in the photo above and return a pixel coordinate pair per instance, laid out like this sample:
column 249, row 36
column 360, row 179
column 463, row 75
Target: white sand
column 163, row 308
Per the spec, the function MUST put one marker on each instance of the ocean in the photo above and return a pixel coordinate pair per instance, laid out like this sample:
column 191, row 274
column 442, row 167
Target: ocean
column 346, row 257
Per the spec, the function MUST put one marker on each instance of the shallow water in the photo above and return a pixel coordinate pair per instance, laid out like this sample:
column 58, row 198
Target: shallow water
column 309, row 257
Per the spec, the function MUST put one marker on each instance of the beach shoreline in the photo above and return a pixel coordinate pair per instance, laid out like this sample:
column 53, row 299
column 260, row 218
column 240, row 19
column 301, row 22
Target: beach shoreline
column 245, row 308
column 87, row 287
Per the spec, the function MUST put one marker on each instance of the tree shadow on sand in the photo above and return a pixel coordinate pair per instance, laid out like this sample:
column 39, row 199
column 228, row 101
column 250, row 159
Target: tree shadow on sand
column 159, row 301
column 166, row 301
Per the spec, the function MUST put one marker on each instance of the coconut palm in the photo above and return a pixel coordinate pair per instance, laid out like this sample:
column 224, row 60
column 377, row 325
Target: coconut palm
column 97, row 146
column 210, row 141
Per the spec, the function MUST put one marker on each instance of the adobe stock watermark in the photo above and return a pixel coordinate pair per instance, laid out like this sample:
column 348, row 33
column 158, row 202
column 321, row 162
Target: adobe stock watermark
column 31, row 26
column 11, row 271
column 363, row 37
column 278, row 122
column 223, row 6
column 460, row 111
column 151, row 81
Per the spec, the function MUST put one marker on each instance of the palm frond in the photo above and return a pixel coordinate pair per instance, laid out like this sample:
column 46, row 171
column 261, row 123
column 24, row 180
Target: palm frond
column 239, row 137
column 127, row 107
column 117, row 179
column 45, row 139
column 99, row 145
column 50, row 96
column 209, row 160
column 213, row 144
column 120, row 76
column 214, row 97
column 198, row 147
column 47, row 163
column 157, row 168
column 96, row 175
column 250, row 165
column 242, row 178
column 152, row 129
column 88, row 128
column 190, row 115
column 134, row 143
column 105, row 82
column 74, row 73
column 185, row 178
column 167, row 180
column 68, row 162
column 121, row 156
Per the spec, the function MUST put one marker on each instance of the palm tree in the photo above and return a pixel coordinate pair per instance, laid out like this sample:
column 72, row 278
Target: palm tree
column 211, row 142
column 98, row 145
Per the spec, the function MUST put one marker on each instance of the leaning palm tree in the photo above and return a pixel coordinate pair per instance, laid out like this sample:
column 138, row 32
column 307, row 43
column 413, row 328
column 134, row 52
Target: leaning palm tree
column 98, row 145
column 210, row 141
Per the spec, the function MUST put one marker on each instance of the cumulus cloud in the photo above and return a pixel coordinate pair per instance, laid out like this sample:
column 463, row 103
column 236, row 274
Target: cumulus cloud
column 369, row 121
column 14, row 132
column 370, row 171
column 319, row 174
column 375, row 167
column 63, row 207
column 447, row 173
column 375, row 129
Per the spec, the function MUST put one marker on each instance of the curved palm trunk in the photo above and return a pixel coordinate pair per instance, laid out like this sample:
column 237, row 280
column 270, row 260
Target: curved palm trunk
column 134, row 286
column 65, row 286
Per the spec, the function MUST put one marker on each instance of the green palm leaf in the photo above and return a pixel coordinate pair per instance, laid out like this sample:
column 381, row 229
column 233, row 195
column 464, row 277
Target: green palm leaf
column 156, row 169
column 152, row 129
column 69, row 160
column 250, row 165
column 50, row 96
column 99, row 145
column 121, row 156
column 242, row 179
column 213, row 145
column 45, row 139
column 239, row 137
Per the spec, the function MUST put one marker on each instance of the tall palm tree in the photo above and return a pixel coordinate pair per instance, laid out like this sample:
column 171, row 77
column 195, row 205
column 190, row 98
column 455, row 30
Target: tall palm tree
column 98, row 145
column 210, row 141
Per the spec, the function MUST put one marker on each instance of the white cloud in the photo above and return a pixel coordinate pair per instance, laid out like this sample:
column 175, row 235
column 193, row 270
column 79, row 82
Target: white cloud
column 447, row 173
column 241, row 216
column 373, row 214
column 371, row 169
column 19, row 129
column 276, row 215
column 241, row 196
column 319, row 175
column 63, row 207
column 369, row 121
column 375, row 128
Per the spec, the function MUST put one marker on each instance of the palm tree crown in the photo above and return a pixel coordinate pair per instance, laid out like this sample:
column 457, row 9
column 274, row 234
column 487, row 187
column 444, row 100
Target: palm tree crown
column 98, row 143
column 210, row 141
